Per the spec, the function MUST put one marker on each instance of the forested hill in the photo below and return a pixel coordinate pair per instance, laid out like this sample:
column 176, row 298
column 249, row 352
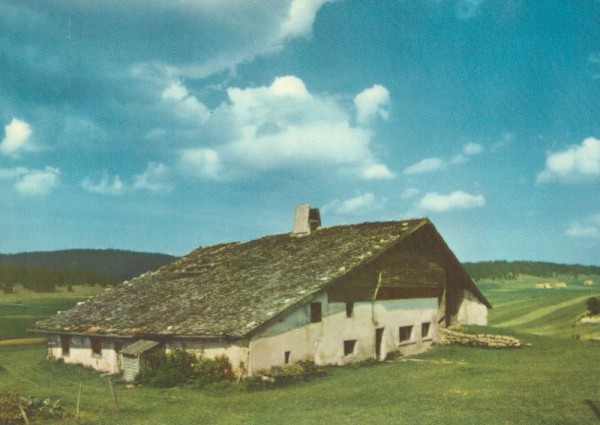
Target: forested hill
column 510, row 269
column 111, row 262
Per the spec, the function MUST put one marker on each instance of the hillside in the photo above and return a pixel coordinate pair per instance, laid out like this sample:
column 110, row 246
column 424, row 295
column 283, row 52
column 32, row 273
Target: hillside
column 115, row 263
column 511, row 269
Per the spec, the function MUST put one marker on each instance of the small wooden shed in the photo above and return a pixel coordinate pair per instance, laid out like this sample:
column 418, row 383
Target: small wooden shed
column 133, row 358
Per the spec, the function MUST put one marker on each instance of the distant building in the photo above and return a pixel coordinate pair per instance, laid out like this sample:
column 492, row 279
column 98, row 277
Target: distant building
column 588, row 282
column 329, row 295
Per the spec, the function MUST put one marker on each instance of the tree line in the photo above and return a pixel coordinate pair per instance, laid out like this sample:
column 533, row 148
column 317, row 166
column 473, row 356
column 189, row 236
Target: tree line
column 510, row 269
column 46, row 279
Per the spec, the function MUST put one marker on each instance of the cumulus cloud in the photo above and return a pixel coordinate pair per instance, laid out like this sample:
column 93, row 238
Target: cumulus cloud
column 576, row 163
column 284, row 126
column 153, row 179
column 471, row 149
column 588, row 228
column 11, row 173
column 183, row 105
column 409, row 193
column 371, row 103
column 16, row 138
column 300, row 18
column 358, row 205
column 436, row 202
column 38, row 182
column 427, row 165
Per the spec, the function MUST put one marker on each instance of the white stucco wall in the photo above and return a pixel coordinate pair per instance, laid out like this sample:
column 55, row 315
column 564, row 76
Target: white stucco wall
column 472, row 311
column 323, row 342
column 236, row 353
column 80, row 352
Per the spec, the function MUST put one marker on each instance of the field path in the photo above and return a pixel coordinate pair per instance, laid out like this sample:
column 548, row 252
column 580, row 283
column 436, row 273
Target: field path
column 540, row 312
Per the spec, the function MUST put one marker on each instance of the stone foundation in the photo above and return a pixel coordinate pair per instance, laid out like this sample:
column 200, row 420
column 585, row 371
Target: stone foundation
column 448, row 336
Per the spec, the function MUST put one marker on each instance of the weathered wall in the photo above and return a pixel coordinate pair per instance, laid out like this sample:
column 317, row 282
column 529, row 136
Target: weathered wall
column 472, row 311
column 236, row 353
column 81, row 353
column 323, row 342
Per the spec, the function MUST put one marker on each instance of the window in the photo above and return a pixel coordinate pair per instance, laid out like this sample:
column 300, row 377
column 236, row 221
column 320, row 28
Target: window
column 349, row 346
column 117, row 346
column 96, row 347
column 349, row 309
column 315, row 312
column 425, row 329
column 287, row 357
column 65, row 344
column 405, row 333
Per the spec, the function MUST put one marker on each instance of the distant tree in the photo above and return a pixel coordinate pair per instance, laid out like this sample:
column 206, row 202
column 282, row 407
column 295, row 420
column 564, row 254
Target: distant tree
column 7, row 287
column 593, row 305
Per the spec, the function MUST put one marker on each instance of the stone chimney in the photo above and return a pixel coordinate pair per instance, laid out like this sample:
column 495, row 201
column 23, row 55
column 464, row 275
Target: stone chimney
column 306, row 219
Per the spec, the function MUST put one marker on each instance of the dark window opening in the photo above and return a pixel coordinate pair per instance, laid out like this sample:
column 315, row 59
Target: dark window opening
column 405, row 333
column 349, row 346
column 425, row 329
column 96, row 346
column 65, row 344
column 117, row 346
column 349, row 309
column 287, row 357
column 315, row 312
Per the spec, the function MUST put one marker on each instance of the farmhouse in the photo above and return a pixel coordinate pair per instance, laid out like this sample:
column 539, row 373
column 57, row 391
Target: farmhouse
column 331, row 295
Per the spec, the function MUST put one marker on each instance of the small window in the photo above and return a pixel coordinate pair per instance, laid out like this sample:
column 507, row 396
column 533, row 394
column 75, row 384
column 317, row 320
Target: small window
column 349, row 346
column 65, row 344
column 117, row 346
column 287, row 357
column 96, row 347
column 425, row 329
column 405, row 333
column 315, row 312
column 349, row 309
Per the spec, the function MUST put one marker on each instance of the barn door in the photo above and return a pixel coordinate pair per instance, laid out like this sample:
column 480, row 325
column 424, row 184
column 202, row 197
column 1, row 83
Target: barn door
column 378, row 342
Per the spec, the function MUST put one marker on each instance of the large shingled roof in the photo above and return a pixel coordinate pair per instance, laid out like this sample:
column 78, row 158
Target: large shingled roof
column 228, row 290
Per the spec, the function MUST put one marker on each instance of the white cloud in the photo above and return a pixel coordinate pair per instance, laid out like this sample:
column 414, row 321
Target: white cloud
column 471, row 149
column 301, row 17
column 11, row 173
column 153, row 179
column 38, row 182
column 106, row 185
column 202, row 162
column 576, row 163
column 358, row 205
column 467, row 9
column 427, row 165
column 590, row 228
column 16, row 138
column 377, row 171
column 283, row 126
column 183, row 105
column 456, row 200
column 372, row 102
column 409, row 193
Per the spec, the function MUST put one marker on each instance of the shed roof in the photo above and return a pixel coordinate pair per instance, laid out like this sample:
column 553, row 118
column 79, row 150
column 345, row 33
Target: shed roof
column 230, row 289
column 139, row 347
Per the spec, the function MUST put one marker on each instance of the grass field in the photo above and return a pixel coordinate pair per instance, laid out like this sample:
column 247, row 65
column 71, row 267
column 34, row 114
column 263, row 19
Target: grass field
column 553, row 379
column 21, row 309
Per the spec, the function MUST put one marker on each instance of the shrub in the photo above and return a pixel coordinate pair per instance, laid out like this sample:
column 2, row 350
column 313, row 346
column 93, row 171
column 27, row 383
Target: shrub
column 593, row 305
column 181, row 367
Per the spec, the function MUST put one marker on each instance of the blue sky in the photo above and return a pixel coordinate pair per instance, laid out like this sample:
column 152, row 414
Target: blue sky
column 164, row 126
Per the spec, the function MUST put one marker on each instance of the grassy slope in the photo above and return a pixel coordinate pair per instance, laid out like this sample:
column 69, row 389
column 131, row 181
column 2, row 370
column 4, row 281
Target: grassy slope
column 21, row 309
column 547, row 382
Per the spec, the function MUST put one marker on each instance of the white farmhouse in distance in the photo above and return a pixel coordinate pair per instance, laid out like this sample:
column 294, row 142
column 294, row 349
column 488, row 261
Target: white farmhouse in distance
column 330, row 295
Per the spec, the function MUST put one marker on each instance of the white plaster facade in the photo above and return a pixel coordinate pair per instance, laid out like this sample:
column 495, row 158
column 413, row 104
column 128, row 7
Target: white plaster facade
column 323, row 342
column 472, row 311
column 80, row 352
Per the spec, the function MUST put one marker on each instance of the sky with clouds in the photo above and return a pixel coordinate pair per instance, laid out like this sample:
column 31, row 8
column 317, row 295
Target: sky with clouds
column 162, row 126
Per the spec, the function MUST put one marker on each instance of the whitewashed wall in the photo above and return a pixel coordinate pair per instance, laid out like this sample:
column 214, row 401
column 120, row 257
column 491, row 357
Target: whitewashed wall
column 323, row 342
column 236, row 353
column 472, row 311
column 80, row 352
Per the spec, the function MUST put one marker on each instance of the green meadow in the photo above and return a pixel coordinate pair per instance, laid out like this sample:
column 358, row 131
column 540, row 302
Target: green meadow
column 552, row 379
